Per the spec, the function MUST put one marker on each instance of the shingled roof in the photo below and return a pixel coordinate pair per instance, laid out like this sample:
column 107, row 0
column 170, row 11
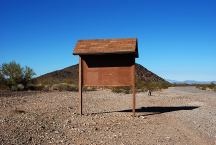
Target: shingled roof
column 106, row 46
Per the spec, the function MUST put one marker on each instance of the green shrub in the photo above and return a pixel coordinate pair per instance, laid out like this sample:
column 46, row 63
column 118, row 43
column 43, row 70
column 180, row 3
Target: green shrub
column 20, row 87
column 154, row 86
column 142, row 86
column 3, row 85
column 64, row 87
column 87, row 89
column 125, row 90
column 203, row 88
column 206, row 86
column 36, row 87
column 15, row 76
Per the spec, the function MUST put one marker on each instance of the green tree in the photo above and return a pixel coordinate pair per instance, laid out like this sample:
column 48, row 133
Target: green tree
column 13, row 74
column 28, row 74
column 1, row 77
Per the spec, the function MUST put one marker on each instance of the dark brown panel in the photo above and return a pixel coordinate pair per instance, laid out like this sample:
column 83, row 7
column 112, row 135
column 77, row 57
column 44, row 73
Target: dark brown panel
column 108, row 70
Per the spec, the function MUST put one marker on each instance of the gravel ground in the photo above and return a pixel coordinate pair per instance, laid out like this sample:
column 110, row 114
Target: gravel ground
column 180, row 115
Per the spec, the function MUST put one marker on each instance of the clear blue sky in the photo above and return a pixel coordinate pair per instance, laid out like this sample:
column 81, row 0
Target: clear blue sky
column 177, row 38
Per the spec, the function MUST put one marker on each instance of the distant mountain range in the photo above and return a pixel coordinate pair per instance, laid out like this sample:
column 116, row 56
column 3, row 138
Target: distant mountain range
column 70, row 75
column 190, row 82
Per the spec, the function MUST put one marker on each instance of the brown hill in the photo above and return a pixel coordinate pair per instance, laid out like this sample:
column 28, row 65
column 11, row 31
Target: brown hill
column 70, row 75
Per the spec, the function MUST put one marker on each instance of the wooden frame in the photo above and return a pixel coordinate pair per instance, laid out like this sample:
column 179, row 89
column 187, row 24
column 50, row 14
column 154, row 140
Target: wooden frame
column 133, row 86
column 134, row 90
column 80, row 86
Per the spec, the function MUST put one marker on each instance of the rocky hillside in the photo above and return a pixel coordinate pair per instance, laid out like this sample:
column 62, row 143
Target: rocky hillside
column 144, row 74
column 70, row 75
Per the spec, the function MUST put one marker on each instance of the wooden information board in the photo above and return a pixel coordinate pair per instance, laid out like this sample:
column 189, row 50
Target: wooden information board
column 107, row 63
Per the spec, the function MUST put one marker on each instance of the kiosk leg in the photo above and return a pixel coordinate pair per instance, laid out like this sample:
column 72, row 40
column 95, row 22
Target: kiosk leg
column 134, row 100
column 134, row 89
column 80, row 87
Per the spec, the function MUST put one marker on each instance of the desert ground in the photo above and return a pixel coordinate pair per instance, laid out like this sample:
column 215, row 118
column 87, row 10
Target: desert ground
column 175, row 116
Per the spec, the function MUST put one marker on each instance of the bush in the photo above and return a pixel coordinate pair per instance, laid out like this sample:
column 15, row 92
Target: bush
column 57, row 87
column 64, row 87
column 154, row 86
column 12, row 73
column 15, row 76
column 36, row 87
column 3, row 85
column 142, row 86
column 86, row 89
column 20, row 87
column 14, row 88
column 211, row 86
column 125, row 90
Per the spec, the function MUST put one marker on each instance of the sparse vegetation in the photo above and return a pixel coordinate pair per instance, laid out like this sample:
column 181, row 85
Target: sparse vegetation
column 125, row 90
column 38, row 87
column 3, row 85
column 14, row 76
column 153, row 86
column 142, row 86
column 88, row 88
column 64, row 87
column 145, row 80
column 53, row 87
column 211, row 86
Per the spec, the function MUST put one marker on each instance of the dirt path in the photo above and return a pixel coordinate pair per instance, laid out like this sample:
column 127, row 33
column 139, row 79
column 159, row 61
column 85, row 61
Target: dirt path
column 182, row 115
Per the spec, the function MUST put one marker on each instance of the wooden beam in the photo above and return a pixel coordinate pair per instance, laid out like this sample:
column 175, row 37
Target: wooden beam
column 134, row 89
column 80, row 86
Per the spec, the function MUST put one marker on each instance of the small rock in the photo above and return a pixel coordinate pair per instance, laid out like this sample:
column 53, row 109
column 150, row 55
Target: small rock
column 107, row 128
column 114, row 135
column 143, row 117
column 94, row 123
column 43, row 127
column 95, row 128
column 85, row 124
column 30, row 139
column 56, row 132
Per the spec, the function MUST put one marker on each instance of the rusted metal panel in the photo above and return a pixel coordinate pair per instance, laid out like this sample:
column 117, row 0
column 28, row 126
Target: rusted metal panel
column 112, row 76
column 108, row 70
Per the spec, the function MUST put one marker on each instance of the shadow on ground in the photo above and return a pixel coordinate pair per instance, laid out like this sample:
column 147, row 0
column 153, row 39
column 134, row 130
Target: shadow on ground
column 159, row 109
column 146, row 111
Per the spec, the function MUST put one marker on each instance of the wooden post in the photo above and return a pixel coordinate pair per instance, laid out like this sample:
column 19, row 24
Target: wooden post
column 134, row 89
column 80, row 86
